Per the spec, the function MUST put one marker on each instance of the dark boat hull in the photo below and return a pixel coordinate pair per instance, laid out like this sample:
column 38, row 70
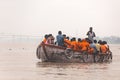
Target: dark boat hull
column 52, row 53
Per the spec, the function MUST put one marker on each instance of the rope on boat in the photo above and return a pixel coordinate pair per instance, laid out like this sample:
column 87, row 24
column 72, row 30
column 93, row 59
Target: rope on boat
column 68, row 53
column 45, row 51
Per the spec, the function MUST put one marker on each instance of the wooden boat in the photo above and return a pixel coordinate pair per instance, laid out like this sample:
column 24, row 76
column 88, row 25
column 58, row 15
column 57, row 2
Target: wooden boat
column 53, row 53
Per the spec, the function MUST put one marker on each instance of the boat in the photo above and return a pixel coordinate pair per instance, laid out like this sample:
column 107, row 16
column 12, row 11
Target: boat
column 54, row 53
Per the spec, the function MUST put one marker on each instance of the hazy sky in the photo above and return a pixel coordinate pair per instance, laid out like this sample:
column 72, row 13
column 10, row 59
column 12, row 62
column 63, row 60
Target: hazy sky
column 73, row 17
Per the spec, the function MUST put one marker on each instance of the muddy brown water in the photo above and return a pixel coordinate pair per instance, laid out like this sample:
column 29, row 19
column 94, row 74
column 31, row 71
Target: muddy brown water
column 18, row 62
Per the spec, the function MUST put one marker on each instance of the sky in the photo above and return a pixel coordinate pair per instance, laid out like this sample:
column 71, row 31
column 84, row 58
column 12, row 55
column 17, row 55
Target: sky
column 72, row 17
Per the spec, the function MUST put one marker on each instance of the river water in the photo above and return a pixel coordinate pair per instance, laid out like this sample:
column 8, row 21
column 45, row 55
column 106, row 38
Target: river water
column 18, row 62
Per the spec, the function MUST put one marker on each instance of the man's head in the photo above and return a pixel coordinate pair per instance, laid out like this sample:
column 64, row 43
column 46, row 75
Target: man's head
column 79, row 39
column 100, row 41
column 90, row 42
column 73, row 39
column 64, row 35
column 49, row 35
column 95, row 41
column 67, row 37
column 46, row 36
column 60, row 32
column 91, row 28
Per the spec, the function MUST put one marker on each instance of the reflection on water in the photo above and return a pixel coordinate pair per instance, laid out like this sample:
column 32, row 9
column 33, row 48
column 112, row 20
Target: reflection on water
column 73, row 65
column 91, row 71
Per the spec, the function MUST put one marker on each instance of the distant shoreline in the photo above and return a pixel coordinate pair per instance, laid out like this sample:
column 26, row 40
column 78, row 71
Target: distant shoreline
column 110, row 40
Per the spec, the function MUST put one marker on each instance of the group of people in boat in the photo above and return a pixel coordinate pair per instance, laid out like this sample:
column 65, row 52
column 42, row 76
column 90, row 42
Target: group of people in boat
column 88, row 44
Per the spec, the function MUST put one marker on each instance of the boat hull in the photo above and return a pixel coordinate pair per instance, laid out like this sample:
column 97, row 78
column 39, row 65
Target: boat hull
column 53, row 53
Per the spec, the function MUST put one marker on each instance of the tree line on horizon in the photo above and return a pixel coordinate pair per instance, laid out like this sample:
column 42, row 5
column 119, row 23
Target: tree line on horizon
column 110, row 40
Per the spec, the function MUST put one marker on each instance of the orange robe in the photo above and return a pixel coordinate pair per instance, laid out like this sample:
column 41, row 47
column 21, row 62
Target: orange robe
column 67, row 43
column 85, row 45
column 90, row 50
column 79, row 46
column 103, row 48
column 74, row 45
column 44, row 41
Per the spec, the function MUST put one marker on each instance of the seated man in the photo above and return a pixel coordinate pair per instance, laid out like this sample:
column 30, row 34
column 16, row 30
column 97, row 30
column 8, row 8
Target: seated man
column 50, row 39
column 67, row 42
column 45, row 38
column 60, row 39
column 103, row 48
column 79, row 44
column 74, row 44
column 97, row 46
column 84, row 45
column 92, row 45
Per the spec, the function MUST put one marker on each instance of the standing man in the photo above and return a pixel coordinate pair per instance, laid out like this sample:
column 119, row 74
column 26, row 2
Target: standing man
column 91, row 34
column 60, row 39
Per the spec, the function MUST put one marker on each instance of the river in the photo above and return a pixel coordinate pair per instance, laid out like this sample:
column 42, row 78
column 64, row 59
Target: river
column 18, row 62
